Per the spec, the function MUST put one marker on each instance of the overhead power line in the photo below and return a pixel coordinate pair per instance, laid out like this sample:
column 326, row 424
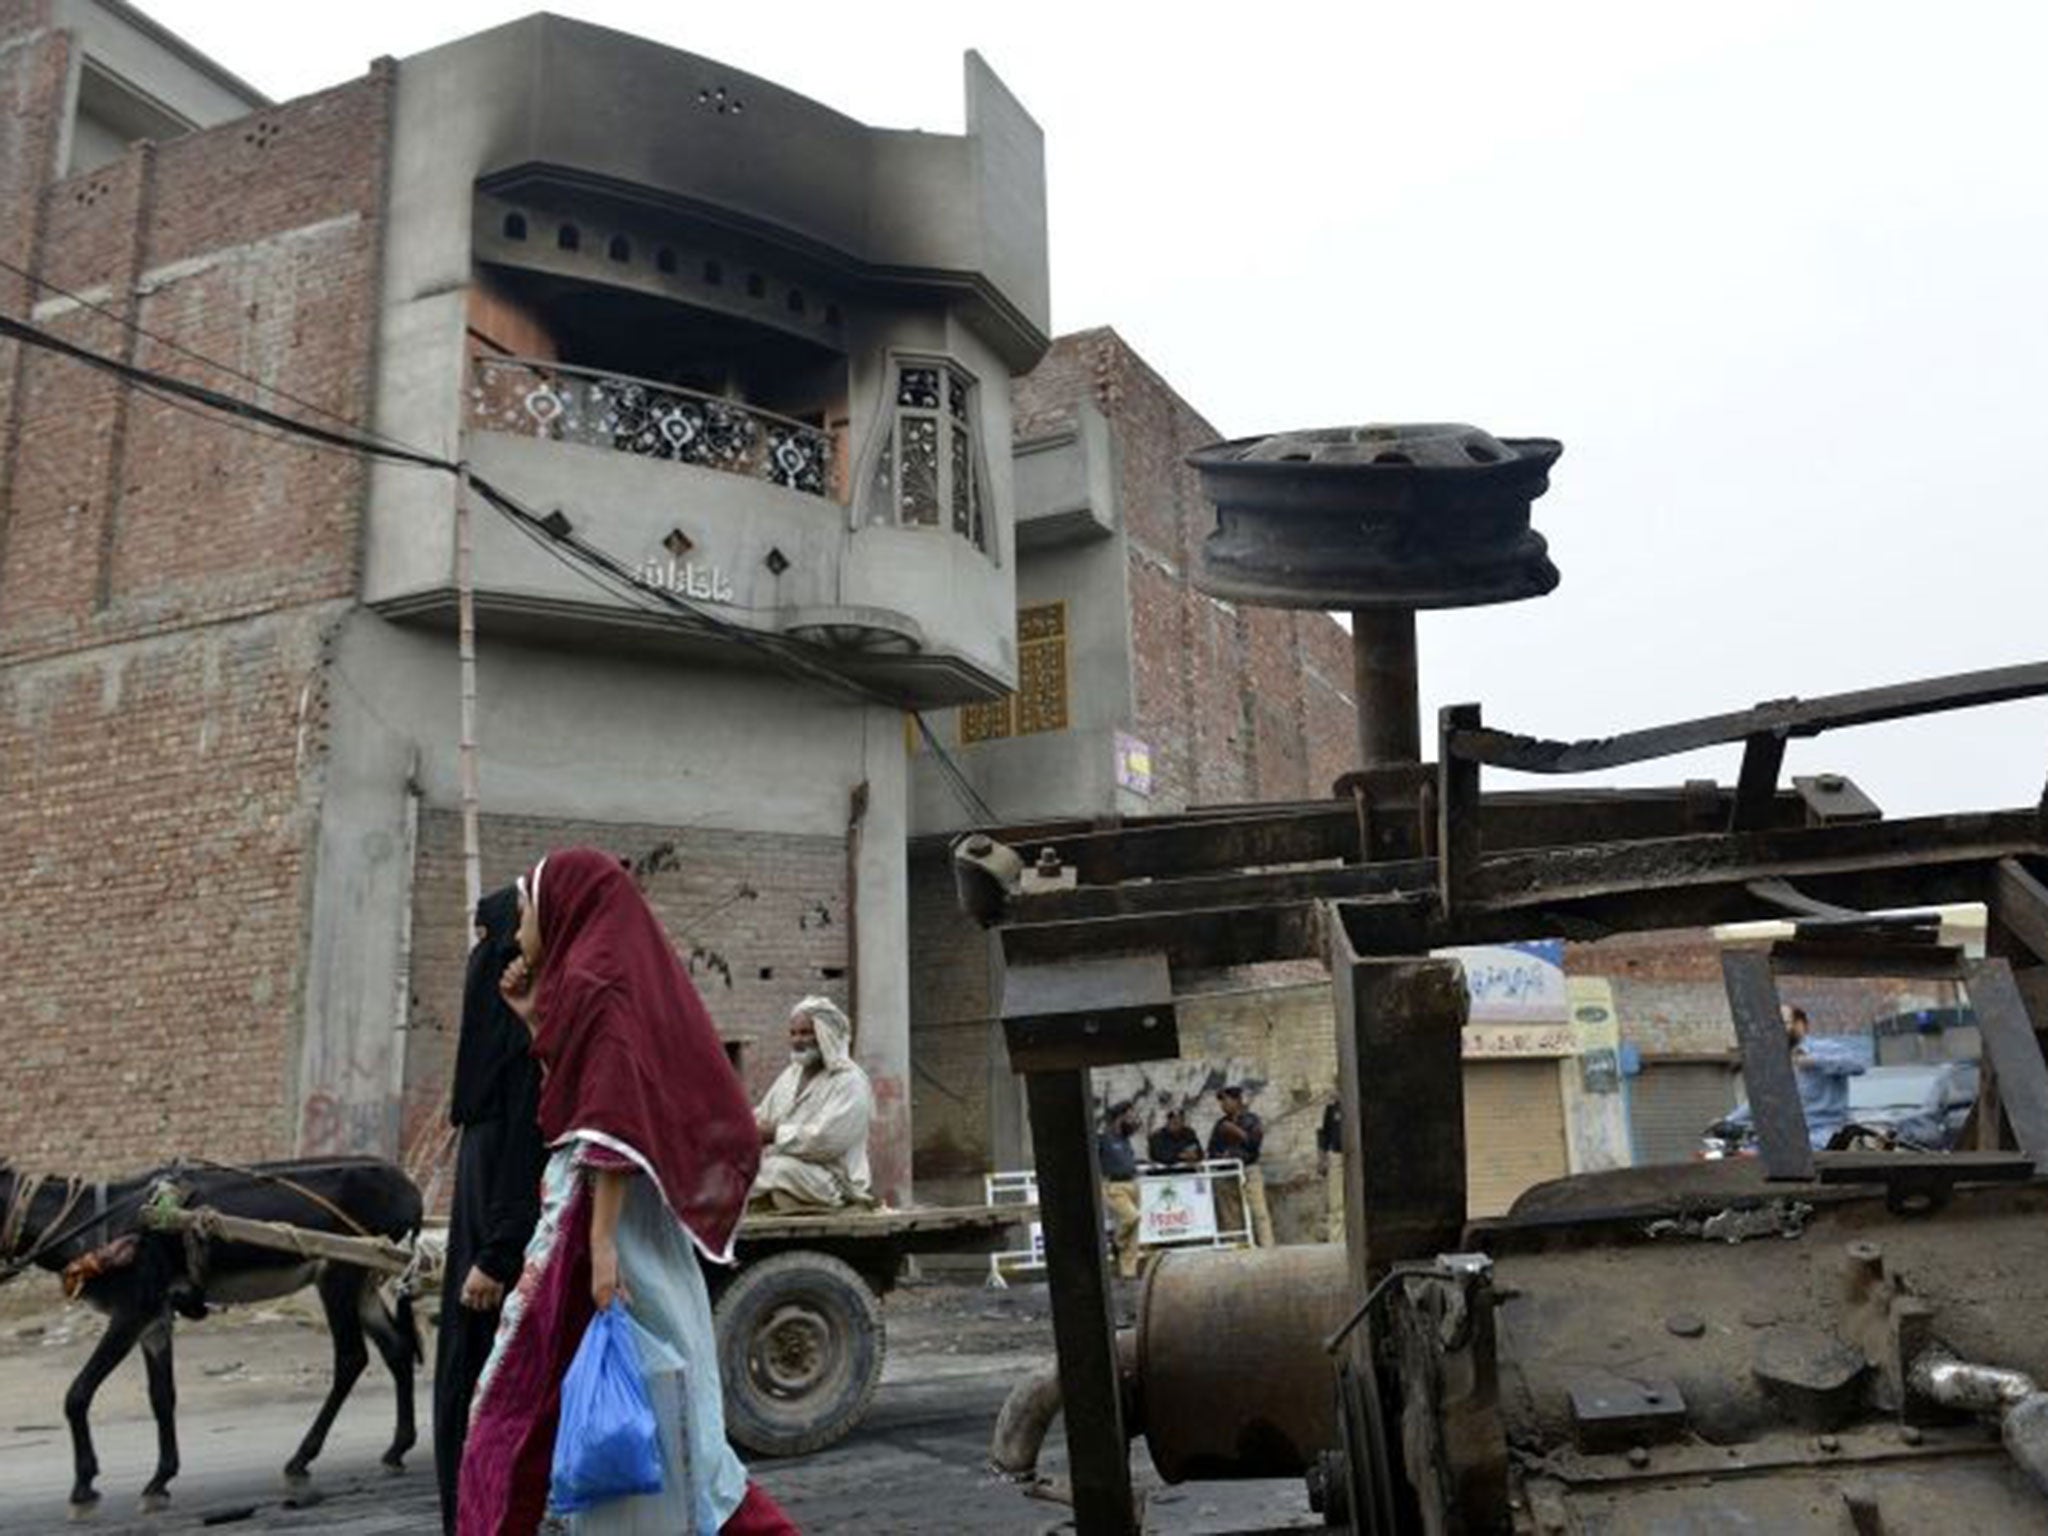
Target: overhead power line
column 139, row 329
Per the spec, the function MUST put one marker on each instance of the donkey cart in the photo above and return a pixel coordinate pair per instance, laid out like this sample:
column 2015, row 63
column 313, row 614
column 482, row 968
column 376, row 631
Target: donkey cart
column 801, row 1341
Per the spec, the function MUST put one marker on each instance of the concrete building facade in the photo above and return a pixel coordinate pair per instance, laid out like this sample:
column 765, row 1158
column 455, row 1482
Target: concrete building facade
column 758, row 354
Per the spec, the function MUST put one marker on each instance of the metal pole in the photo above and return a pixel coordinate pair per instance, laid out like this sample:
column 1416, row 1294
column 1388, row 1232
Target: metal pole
column 465, row 605
column 1091, row 1391
column 1383, row 672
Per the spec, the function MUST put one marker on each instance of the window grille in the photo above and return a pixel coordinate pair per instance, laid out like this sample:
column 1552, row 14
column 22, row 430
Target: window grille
column 1040, row 702
column 928, row 472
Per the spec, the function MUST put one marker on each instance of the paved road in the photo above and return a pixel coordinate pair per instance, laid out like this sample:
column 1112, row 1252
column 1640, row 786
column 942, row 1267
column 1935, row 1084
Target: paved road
column 248, row 1389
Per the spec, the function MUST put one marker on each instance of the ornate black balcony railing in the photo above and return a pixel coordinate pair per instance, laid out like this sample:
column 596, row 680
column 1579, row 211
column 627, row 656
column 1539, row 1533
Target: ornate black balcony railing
column 657, row 421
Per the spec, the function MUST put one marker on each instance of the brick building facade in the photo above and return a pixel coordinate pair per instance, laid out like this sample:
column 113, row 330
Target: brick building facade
column 1236, row 704
column 168, row 590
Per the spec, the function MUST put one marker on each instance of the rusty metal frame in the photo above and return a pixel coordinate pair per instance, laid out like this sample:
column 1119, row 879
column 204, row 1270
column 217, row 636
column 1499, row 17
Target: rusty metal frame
column 1414, row 858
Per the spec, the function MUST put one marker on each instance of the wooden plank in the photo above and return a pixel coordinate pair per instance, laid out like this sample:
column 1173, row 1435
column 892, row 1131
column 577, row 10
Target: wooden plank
column 1781, row 1129
column 2014, row 1053
column 2019, row 902
column 1791, row 717
column 886, row 1224
column 374, row 1253
column 1091, row 1394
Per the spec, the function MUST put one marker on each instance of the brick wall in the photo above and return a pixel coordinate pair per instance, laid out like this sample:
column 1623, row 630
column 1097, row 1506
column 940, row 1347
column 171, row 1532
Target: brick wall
column 167, row 588
column 34, row 66
column 1669, row 996
column 752, row 956
column 1236, row 703
column 153, row 841
column 124, row 514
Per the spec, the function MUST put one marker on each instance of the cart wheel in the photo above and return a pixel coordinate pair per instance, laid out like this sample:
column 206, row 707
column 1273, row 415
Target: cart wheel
column 801, row 1346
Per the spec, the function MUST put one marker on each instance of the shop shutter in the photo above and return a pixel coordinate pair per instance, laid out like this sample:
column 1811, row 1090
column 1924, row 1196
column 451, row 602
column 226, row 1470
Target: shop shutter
column 1514, row 1131
column 1671, row 1103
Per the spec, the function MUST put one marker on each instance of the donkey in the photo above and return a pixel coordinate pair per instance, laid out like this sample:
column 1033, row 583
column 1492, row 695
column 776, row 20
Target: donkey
column 138, row 1277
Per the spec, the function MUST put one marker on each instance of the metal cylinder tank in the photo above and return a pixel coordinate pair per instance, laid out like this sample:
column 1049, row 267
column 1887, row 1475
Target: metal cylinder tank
column 1231, row 1369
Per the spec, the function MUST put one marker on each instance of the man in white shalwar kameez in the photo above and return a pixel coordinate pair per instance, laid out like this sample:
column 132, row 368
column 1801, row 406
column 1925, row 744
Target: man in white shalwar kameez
column 814, row 1119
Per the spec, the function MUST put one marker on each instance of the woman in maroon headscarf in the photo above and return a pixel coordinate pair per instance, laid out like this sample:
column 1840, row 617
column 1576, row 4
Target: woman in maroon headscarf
column 653, row 1149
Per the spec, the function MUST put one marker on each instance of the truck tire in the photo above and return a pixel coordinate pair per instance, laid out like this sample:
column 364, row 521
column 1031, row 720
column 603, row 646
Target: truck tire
column 801, row 1347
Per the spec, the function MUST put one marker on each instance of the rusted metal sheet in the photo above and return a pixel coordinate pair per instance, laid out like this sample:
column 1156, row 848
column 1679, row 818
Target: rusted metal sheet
column 1831, row 798
column 1089, row 1011
column 1216, row 936
column 1842, row 1313
column 1400, row 1027
column 1767, row 1064
column 2014, row 1053
column 2019, row 903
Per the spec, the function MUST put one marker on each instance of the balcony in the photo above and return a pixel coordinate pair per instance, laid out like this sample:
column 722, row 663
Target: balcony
column 558, row 402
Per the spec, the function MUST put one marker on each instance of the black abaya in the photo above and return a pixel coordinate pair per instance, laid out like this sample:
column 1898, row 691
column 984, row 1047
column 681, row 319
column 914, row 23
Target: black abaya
column 496, row 1102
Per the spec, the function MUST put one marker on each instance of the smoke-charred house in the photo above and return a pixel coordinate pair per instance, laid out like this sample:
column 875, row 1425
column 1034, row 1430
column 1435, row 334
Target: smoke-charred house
column 754, row 354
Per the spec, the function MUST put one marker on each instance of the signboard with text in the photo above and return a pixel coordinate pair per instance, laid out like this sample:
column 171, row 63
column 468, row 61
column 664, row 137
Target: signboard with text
column 1515, row 983
column 1492, row 1041
column 1176, row 1208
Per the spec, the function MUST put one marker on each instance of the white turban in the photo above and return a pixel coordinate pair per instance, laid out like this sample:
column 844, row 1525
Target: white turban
column 834, row 1029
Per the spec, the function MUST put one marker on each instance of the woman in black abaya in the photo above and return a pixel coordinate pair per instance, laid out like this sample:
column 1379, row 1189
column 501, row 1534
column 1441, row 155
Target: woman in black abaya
column 496, row 1104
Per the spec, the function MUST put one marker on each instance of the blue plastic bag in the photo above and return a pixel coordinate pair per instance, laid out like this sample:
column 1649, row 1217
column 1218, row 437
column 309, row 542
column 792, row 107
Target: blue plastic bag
column 607, row 1445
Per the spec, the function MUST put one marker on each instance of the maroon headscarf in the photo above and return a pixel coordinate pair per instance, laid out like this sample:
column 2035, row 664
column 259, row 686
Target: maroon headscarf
column 633, row 1060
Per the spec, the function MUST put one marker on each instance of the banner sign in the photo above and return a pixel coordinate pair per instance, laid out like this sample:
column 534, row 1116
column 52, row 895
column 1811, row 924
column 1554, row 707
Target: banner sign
column 1515, row 983
column 1176, row 1208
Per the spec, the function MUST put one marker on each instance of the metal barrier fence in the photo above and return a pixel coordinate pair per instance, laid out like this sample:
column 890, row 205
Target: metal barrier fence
column 1177, row 1208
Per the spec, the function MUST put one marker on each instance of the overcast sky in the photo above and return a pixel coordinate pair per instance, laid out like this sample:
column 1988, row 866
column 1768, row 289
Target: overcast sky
column 1772, row 271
